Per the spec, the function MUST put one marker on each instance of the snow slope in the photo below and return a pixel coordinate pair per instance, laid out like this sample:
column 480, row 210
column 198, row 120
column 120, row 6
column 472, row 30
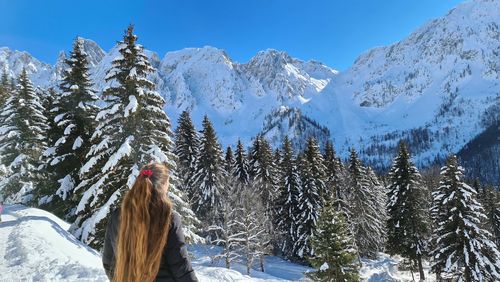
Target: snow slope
column 35, row 246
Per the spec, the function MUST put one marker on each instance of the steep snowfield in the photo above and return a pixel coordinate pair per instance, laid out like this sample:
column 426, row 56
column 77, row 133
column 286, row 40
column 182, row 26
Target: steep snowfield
column 35, row 246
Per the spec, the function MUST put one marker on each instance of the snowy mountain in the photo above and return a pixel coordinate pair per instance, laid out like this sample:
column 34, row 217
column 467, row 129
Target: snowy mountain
column 36, row 246
column 438, row 89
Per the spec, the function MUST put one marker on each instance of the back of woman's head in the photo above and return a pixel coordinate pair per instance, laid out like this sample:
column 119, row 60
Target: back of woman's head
column 145, row 218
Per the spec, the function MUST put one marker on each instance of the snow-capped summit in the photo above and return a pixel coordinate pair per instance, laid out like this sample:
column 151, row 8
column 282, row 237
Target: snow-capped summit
column 441, row 55
column 94, row 52
column 285, row 76
column 14, row 61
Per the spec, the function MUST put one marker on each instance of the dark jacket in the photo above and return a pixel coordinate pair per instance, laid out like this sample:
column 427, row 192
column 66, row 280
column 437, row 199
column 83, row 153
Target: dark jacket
column 175, row 264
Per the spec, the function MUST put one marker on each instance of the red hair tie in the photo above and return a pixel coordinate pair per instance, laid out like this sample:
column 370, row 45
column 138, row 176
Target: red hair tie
column 146, row 173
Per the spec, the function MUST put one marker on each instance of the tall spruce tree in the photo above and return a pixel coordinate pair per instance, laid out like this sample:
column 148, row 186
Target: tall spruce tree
column 77, row 112
column 463, row 250
column 229, row 161
column 262, row 171
column 5, row 89
column 407, row 223
column 186, row 148
column 209, row 176
column 22, row 142
column 366, row 220
column 133, row 130
column 241, row 165
column 287, row 202
column 492, row 209
column 45, row 193
column 310, row 200
column 264, row 179
column 336, row 256
column 333, row 167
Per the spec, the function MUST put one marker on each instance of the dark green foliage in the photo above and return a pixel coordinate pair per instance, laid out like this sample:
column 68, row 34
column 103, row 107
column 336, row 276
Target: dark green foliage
column 209, row 176
column 287, row 202
column 335, row 257
column 262, row 171
column 241, row 165
column 310, row 200
column 186, row 149
column 408, row 217
column 366, row 219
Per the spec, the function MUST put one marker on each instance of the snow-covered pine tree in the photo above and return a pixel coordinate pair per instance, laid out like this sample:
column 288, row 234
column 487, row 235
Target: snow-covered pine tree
column 491, row 204
column 311, row 199
column 264, row 178
column 287, row 202
column 262, row 171
column 45, row 193
column 407, row 223
column 336, row 256
column 5, row 90
column 22, row 142
column 186, row 148
column 132, row 130
column 209, row 176
column 463, row 250
column 333, row 169
column 380, row 205
column 367, row 221
column 76, row 121
column 229, row 161
column 241, row 165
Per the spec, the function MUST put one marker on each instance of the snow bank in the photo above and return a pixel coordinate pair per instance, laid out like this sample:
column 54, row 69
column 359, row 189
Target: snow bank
column 35, row 245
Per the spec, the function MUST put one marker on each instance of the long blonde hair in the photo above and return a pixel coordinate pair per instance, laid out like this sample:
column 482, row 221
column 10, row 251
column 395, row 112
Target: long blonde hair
column 145, row 219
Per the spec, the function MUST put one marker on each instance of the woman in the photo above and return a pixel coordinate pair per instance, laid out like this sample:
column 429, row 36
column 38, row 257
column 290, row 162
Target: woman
column 144, row 240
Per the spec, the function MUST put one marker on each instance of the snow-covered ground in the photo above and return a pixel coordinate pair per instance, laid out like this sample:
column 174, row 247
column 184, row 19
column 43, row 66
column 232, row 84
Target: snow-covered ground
column 36, row 246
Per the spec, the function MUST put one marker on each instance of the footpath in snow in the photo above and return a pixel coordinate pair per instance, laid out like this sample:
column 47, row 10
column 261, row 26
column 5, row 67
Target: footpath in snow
column 36, row 246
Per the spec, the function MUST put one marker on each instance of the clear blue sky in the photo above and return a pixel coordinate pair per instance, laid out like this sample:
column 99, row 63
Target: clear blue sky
column 333, row 32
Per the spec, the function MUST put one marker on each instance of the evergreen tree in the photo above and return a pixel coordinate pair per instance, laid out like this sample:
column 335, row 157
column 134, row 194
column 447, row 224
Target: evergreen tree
column 45, row 193
column 5, row 89
column 133, row 130
column 333, row 167
column 407, row 223
column 336, row 256
column 264, row 178
column 491, row 204
column 229, row 161
column 241, row 166
column 262, row 171
column 287, row 202
column 366, row 220
column 186, row 148
column 77, row 112
column 463, row 250
column 310, row 200
column 21, row 142
column 209, row 176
